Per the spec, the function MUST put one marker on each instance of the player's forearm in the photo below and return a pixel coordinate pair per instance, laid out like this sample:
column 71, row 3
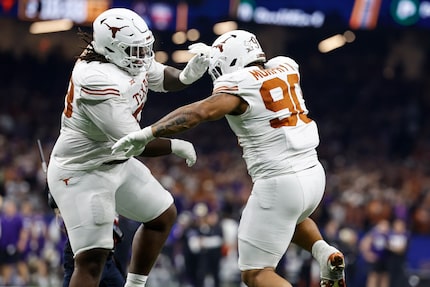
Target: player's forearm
column 171, row 79
column 178, row 121
column 157, row 147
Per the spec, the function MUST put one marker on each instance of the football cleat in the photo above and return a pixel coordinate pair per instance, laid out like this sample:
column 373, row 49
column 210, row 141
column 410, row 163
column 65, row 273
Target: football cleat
column 336, row 266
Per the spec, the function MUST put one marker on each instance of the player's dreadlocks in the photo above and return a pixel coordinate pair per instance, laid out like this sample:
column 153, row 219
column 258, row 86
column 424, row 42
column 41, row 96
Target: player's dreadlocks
column 89, row 54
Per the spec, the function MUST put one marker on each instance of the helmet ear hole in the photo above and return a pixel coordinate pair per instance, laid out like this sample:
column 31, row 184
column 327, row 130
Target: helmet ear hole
column 218, row 70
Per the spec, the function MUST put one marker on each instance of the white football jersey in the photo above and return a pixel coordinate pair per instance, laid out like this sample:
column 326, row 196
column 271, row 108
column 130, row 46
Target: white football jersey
column 103, row 104
column 275, row 133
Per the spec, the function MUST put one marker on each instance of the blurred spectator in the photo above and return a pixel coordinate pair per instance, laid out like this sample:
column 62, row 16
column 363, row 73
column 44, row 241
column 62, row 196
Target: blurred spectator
column 12, row 245
column 398, row 239
column 374, row 247
column 204, row 242
column 35, row 235
column 229, row 272
column 348, row 243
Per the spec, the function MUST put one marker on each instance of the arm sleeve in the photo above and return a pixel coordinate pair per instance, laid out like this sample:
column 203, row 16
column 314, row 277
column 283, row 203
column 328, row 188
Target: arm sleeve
column 156, row 77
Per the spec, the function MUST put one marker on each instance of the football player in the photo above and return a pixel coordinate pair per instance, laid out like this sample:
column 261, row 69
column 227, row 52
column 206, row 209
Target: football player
column 263, row 103
column 107, row 92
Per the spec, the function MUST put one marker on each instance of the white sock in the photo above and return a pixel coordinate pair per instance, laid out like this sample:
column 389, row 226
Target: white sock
column 321, row 251
column 135, row 280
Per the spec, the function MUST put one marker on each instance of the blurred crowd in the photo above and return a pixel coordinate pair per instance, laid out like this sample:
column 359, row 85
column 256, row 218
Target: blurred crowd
column 370, row 101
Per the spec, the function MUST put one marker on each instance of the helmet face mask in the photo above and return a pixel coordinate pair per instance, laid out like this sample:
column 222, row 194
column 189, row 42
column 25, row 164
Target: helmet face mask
column 123, row 37
column 232, row 51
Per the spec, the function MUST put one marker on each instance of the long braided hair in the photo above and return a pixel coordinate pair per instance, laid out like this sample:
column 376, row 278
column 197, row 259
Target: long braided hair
column 89, row 54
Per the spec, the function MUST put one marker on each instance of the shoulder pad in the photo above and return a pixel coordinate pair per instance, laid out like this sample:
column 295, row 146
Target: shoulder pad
column 276, row 61
column 96, row 81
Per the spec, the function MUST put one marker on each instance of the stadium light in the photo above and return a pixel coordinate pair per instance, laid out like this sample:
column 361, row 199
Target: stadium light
column 181, row 56
column 335, row 42
column 51, row 26
column 223, row 27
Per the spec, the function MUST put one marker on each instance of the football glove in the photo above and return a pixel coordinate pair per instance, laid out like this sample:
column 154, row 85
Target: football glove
column 185, row 150
column 134, row 143
column 198, row 64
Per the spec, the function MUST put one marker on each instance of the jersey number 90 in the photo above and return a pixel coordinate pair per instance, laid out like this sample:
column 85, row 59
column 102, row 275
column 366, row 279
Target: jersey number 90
column 289, row 101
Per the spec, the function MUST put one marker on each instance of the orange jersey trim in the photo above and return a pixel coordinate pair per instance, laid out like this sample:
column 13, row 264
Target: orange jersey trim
column 225, row 89
column 103, row 92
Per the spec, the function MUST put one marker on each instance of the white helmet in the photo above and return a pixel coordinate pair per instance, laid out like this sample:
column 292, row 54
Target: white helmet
column 233, row 51
column 123, row 37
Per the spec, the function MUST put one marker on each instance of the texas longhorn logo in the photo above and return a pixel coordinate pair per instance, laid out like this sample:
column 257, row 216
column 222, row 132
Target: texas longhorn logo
column 114, row 30
column 220, row 45
column 66, row 180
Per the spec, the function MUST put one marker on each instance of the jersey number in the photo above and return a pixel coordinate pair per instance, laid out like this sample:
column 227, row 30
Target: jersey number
column 289, row 101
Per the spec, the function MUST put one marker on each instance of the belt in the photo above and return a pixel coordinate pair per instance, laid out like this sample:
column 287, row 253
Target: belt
column 117, row 161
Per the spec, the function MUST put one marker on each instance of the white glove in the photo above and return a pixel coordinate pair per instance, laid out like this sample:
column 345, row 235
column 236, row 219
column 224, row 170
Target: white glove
column 198, row 64
column 134, row 143
column 200, row 48
column 185, row 150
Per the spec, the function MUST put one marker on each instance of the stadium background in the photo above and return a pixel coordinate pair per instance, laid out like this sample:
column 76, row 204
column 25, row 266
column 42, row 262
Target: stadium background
column 369, row 95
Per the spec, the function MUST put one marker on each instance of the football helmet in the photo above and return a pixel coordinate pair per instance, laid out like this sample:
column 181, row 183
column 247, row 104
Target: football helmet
column 125, row 40
column 233, row 51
